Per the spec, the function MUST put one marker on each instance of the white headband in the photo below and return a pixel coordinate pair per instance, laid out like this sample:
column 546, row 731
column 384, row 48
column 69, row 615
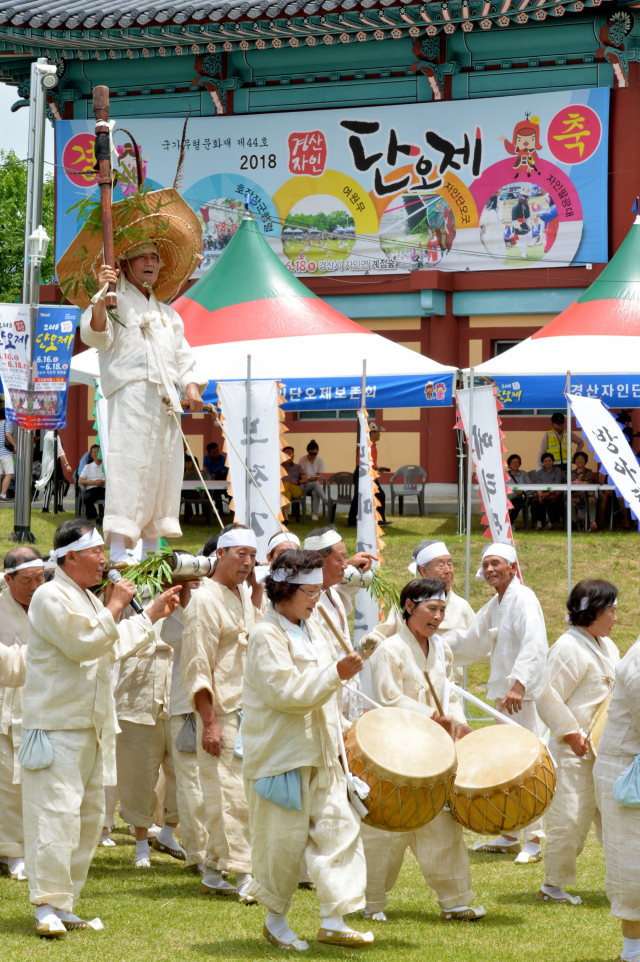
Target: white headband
column 427, row 554
column 236, row 538
column 440, row 596
column 506, row 551
column 325, row 540
column 280, row 537
column 584, row 604
column 303, row 578
column 35, row 563
column 91, row 539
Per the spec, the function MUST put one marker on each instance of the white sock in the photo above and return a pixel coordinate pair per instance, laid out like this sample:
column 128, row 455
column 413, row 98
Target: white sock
column 557, row 892
column 336, row 923
column 142, row 850
column 631, row 950
column 166, row 837
column 278, row 926
column 242, row 880
column 47, row 914
column 67, row 916
column 214, row 880
column 149, row 546
column 117, row 550
column 15, row 865
column 531, row 848
column 374, row 916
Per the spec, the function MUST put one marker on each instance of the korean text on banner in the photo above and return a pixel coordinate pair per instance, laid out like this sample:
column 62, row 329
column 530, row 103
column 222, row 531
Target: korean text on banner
column 264, row 457
column 486, row 448
column 367, row 610
column 45, row 406
column 454, row 186
column 612, row 448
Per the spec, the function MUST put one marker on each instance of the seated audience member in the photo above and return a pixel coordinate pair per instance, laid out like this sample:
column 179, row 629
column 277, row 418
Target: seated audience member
column 193, row 494
column 215, row 462
column 582, row 475
column 514, row 477
column 293, row 479
column 547, row 502
column 313, row 467
column 92, row 479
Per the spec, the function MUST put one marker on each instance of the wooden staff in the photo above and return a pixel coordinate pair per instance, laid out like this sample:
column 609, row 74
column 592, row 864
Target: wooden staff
column 209, row 408
column 103, row 158
column 347, row 650
column 433, row 693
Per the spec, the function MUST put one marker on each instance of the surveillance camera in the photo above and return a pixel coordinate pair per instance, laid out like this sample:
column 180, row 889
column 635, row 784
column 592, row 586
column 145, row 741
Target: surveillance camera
column 49, row 80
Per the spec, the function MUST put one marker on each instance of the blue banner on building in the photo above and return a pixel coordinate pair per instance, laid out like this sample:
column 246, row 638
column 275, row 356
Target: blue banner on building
column 548, row 391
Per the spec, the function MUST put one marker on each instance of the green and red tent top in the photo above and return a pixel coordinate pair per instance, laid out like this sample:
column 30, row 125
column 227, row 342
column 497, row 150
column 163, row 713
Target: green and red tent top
column 596, row 339
column 249, row 303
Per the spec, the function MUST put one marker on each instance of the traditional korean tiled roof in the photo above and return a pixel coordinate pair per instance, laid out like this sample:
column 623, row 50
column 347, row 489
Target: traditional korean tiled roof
column 79, row 15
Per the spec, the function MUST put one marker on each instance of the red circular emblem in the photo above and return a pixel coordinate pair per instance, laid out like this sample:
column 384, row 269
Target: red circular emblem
column 574, row 134
column 79, row 159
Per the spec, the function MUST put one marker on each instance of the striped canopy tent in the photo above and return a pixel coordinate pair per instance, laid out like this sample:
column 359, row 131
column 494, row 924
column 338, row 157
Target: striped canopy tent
column 596, row 339
column 249, row 303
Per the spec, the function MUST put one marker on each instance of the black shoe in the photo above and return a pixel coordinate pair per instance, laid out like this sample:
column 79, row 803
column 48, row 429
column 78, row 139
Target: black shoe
column 352, row 526
column 383, row 524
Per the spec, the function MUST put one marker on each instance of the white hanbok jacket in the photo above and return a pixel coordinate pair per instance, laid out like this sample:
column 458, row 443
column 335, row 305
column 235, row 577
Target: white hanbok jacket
column 458, row 614
column 73, row 639
column 511, row 635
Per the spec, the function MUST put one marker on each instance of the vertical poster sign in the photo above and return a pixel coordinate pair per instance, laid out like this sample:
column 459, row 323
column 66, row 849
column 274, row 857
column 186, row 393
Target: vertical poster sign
column 264, row 455
column 367, row 609
column 45, row 407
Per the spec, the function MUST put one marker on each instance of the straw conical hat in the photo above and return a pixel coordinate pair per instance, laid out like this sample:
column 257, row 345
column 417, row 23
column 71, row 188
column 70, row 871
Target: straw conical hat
column 161, row 216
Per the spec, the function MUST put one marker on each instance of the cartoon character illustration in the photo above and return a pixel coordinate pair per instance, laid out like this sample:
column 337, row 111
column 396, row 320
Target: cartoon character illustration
column 524, row 145
column 441, row 391
column 127, row 161
column 428, row 390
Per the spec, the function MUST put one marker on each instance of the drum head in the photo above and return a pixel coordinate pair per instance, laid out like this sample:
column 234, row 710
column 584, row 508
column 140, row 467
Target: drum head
column 403, row 746
column 495, row 755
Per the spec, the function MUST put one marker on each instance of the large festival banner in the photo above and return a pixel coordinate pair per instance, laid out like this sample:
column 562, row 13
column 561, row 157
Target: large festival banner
column 265, row 454
column 45, row 407
column 466, row 185
column 613, row 451
column 487, row 452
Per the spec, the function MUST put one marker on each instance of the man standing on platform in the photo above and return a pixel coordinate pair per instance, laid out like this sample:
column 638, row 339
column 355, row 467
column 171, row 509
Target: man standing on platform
column 23, row 573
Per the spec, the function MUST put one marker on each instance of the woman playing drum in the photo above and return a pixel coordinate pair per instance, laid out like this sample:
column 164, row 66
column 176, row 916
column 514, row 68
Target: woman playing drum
column 294, row 784
column 401, row 668
column 580, row 674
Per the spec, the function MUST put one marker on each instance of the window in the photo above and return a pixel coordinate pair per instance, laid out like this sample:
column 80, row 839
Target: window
column 499, row 347
column 331, row 415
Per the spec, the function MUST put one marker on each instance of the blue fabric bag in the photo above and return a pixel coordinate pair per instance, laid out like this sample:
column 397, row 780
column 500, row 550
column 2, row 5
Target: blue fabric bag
column 35, row 752
column 626, row 788
column 282, row 790
column 237, row 748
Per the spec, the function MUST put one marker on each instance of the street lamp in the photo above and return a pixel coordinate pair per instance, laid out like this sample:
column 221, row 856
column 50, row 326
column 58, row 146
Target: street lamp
column 38, row 245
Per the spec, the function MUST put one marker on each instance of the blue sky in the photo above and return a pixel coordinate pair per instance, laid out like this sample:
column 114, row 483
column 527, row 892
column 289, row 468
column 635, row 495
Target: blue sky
column 13, row 127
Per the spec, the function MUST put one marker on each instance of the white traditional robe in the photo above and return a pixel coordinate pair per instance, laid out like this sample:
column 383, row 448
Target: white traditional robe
column 580, row 674
column 67, row 693
column 12, row 666
column 139, row 363
column 143, row 745
column 192, row 813
column 214, row 650
column 291, row 714
column 338, row 604
column 397, row 674
column 14, row 630
column 619, row 744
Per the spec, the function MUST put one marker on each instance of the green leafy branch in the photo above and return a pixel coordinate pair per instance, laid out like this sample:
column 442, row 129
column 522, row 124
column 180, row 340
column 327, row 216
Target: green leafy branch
column 152, row 573
column 385, row 591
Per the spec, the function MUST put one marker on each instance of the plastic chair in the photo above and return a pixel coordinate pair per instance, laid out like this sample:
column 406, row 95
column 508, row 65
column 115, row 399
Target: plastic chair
column 414, row 479
column 343, row 481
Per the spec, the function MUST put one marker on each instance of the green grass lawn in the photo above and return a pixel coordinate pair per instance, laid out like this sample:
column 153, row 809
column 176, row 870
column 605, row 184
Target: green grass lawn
column 158, row 914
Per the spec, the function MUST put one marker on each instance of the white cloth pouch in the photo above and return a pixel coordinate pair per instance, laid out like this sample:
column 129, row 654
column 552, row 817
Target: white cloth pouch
column 237, row 748
column 283, row 790
column 35, row 751
column 626, row 788
column 186, row 739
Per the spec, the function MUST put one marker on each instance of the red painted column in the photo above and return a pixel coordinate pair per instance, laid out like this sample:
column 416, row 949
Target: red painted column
column 438, row 442
column 624, row 157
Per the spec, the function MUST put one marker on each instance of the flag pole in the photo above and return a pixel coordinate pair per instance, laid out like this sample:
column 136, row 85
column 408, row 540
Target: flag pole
column 247, row 512
column 568, row 483
column 469, row 478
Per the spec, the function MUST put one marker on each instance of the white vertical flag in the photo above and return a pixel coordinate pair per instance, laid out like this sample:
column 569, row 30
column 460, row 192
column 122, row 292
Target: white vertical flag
column 367, row 609
column 487, row 452
column 264, row 457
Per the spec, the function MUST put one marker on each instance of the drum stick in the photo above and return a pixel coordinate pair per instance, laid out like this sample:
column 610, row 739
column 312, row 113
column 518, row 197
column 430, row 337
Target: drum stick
column 364, row 697
column 185, row 404
column 482, row 704
column 347, row 650
column 433, row 693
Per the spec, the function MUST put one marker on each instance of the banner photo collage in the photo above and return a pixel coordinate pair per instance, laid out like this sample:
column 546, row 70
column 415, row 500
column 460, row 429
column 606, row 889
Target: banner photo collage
column 455, row 186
